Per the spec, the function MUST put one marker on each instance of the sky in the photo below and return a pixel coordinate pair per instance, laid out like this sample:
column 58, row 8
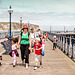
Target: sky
column 45, row 13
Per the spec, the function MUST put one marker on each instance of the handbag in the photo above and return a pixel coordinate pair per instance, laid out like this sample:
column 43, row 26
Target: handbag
column 43, row 53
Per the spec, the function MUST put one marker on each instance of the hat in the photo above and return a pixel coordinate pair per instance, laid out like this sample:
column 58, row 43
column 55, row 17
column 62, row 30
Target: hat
column 54, row 36
column 24, row 26
column 37, row 39
column 32, row 28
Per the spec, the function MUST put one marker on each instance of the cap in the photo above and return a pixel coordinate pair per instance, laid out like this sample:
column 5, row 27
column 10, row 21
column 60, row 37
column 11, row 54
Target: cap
column 37, row 39
column 54, row 36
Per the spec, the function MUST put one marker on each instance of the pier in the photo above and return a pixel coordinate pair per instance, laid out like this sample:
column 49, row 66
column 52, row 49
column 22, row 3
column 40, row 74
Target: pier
column 55, row 62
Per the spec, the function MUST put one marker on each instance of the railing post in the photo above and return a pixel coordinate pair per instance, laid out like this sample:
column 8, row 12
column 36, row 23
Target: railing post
column 72, row 47
column 68, row 45
column 60, row 37
column 64, row 43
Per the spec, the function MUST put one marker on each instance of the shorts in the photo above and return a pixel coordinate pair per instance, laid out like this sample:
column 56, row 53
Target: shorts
column 38, row 57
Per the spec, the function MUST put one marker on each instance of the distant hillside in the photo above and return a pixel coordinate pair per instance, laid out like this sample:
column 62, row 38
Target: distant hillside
column 14, row 26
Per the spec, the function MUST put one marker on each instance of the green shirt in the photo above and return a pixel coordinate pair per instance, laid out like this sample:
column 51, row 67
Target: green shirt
column 24, row 39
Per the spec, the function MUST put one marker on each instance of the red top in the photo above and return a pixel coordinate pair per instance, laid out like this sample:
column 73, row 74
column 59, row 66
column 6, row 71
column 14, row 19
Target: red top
column 37, row 46
column 46, row 35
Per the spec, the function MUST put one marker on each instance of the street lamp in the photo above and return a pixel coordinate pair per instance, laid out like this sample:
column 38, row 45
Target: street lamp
column 28, row 26
column 20, row 22
column 10, row 11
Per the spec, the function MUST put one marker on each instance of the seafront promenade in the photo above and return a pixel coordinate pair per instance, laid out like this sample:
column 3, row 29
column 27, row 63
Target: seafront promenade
column 54, row 63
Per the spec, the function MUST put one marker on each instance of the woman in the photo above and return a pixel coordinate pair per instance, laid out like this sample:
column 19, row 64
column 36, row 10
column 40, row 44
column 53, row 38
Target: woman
column 32, row 38
column 25, row 44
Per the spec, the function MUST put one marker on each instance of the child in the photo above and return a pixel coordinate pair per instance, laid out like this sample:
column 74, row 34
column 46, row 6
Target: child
column 43, row 42
column 38, row 56
column 14, row 52
column 54, row 42
column 0, row 59
column 46, row 36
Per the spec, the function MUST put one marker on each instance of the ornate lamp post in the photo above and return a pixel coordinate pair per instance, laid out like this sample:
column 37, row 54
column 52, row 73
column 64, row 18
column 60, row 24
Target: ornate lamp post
column 10, row 11
column 20, row 22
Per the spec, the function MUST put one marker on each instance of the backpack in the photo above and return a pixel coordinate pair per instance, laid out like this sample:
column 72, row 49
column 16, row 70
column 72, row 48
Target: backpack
column 28, row 34
column 43, row 53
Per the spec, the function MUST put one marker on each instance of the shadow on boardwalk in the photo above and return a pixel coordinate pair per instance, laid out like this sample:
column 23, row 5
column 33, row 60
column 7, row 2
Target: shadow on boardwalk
column 54, row 63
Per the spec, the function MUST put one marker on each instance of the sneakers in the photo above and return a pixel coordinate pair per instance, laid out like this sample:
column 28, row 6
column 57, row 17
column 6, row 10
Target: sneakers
column 26, row 67
column 41, row 66
column 35, row 68
column 13, row 65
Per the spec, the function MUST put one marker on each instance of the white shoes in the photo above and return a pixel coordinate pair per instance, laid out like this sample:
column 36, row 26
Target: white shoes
column 26, row 67
column 35, row 68
column 41, row 66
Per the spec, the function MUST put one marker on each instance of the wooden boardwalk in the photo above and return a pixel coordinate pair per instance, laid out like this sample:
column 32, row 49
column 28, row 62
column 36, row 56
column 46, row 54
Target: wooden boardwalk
column 54, row 63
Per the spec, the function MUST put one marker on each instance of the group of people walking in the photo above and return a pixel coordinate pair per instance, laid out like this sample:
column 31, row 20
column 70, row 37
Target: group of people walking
column 29, row 42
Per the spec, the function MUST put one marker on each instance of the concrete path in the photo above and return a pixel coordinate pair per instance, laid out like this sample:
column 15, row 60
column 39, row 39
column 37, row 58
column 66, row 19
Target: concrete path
column 54, row 63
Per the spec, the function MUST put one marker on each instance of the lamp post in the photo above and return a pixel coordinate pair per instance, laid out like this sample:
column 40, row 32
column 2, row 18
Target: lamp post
column 10, row 11
column 20, row 22
column 50, row 29
column 28, row 26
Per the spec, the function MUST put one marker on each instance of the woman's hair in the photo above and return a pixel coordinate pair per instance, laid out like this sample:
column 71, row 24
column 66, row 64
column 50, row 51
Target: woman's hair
column 40, row 35
column 24, row 28
column 15, row 40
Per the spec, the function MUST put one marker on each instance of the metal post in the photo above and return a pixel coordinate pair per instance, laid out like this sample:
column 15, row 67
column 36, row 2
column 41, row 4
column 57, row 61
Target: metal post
column 10, row 29
column 10, row 11
column 68, row 45
column 72, row 47
column 64, row 43
column 20, row 22
column 50, row 29
column 28, row 25
column 60, row 37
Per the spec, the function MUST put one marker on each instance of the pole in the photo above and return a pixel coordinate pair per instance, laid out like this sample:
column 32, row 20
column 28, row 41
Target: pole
column 20, row 22
column 28, row 25
column 64, row 29
column 68, row 45
column 10, row 29
column 50, row 29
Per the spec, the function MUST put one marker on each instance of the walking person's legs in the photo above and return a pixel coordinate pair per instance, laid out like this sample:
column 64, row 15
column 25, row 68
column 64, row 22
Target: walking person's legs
column 43, row 46
column 26, row 54
column 22, row 53
column 14, row 59
column 53, row 46
column 27, row 60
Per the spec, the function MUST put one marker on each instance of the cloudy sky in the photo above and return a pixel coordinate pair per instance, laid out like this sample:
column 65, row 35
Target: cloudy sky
column 45, row 13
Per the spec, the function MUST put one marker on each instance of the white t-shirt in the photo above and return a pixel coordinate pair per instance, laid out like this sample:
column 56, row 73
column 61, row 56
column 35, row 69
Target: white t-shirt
column 32, row 35
column 37, row 34
column 54, row 41
column 14, row 47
